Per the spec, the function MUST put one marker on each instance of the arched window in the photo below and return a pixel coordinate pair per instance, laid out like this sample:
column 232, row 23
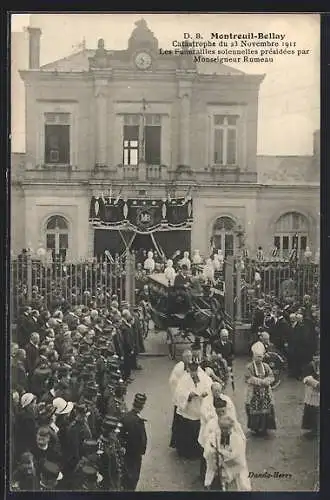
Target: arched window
column 223, row 235
column 291, row 231
column 57, row 235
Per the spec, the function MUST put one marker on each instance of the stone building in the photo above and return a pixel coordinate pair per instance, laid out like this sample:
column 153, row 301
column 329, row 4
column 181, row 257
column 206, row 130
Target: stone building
column 136, row 125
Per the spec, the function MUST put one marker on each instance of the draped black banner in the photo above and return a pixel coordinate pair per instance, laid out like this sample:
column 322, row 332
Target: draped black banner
column 141, row 216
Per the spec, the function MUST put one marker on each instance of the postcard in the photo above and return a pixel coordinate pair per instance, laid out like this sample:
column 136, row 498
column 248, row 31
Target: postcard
column 165, row 247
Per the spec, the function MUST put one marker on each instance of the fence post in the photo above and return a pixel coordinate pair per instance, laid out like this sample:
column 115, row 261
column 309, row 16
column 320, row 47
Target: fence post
column 29, row 275
column 229, row 288
column 238, row 290
column 128, row 282
column 133, row 278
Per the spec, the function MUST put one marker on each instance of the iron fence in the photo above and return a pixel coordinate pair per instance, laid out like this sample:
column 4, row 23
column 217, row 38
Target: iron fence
column 273, row 281
column 36, row 283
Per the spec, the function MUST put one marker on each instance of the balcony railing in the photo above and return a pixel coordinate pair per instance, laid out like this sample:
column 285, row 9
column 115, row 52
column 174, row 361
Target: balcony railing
column 129, row 173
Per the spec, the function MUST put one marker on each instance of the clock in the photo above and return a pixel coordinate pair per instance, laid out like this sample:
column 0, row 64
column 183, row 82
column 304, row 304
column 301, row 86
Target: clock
column 143, row 60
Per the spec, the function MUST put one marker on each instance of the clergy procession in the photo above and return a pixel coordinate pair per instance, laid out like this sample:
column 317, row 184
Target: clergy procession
column 75, row 357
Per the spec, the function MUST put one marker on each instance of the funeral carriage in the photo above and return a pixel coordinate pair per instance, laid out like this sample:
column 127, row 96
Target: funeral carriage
column 185, row 316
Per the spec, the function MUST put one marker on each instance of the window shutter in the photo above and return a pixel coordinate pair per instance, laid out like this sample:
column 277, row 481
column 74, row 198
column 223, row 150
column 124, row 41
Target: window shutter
column 64, row 241
column 152, row 145
column 64, row 140
column 231, row 147
column 57, row 144
column 218, row 146
column 50, row 241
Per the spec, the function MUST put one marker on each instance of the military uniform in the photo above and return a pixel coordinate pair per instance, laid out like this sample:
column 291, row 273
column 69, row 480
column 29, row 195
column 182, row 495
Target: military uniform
column 134, row 438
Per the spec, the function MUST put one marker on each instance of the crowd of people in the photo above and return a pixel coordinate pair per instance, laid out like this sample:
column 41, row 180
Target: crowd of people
column 71, row 363
column 70, row 426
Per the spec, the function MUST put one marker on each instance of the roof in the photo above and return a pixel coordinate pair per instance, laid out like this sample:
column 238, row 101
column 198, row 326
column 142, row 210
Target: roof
column 79, row 62
column 288, row 169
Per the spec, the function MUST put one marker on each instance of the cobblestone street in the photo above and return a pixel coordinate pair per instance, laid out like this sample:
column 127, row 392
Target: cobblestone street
column 286, row 451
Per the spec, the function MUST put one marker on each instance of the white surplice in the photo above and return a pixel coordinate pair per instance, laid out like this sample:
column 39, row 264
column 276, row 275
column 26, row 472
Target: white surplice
column 232, row 458
column 175, row 376
column 208, row 412
column 191, row 410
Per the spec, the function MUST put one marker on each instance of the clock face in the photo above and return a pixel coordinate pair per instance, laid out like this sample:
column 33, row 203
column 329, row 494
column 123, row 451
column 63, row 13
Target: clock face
column 143, row 60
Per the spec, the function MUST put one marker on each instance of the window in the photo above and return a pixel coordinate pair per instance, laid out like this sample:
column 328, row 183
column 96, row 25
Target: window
column 57, row 138
column 223, row 235
column 57, row 236
column 225, row 139
column 142, row 139
column 152, row 139
column 291, row 231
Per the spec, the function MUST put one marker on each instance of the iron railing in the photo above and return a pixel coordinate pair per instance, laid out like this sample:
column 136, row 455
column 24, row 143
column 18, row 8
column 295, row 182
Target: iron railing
column 36, row 283
column 273, row 281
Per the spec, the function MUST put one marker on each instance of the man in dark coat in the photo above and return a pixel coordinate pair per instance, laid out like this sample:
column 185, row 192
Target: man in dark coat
column 296, row 347
column 134, row 438
column 25, row 425
column 257, row 320
column 225, row 347
column 77, row 432
column 25, row 327
column 181, row 286
column 18, row 372
column 128, row 345
column 279, row 331
column 32, row 353
column 138, row 340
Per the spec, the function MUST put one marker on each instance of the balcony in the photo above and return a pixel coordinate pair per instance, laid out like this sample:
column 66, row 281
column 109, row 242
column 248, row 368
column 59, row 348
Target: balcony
column 127, row 174
column 140, row 173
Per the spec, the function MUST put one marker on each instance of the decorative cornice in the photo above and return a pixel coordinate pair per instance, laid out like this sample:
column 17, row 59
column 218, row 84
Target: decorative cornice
column 166, row 75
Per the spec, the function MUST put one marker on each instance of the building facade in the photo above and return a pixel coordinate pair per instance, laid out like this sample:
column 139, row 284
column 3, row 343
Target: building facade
column 134, row 124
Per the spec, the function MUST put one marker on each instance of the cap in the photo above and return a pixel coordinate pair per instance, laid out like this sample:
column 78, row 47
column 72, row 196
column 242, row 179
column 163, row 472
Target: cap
column 111, row 424
column 43, row 371
column 80, row 408
column 27, row 399
column 89, row 473
column 139, row 400
column 90, row 446
column 64, row 369
column 62, row 407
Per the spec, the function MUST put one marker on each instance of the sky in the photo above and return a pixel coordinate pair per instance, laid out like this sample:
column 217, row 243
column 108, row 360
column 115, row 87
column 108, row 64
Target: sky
column 289, row 99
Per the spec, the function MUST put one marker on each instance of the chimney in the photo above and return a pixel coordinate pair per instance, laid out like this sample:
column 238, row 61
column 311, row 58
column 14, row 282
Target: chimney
column 316, row 144
column 34, row 47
